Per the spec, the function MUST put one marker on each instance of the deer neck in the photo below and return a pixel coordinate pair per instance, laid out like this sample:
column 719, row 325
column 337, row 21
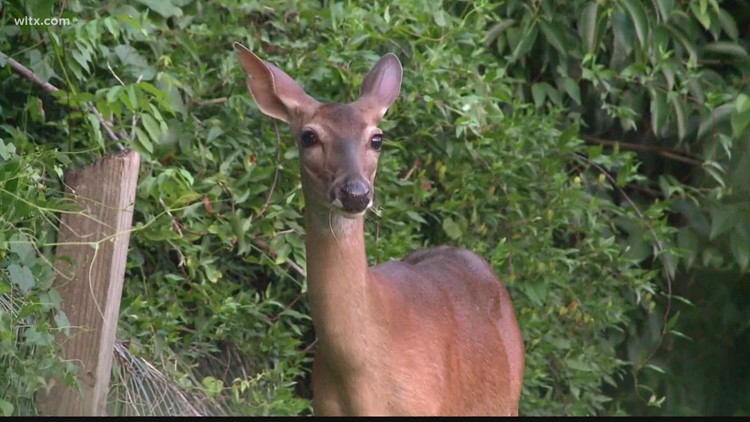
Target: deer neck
column 340, row 288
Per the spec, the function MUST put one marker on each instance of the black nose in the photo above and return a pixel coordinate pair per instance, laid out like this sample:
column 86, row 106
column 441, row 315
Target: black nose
column 355, row 196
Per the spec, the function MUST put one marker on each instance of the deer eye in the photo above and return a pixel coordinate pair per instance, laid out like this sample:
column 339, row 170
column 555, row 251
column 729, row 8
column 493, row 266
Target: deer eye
column 308, row 138
column 377, row 142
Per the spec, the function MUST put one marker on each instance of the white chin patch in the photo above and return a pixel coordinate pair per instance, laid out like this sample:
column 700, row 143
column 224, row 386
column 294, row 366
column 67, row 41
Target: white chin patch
column 353, row 215
column 338, row 208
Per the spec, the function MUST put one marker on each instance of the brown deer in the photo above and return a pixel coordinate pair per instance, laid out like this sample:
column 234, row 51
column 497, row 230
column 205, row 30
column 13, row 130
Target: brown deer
column 432, row 334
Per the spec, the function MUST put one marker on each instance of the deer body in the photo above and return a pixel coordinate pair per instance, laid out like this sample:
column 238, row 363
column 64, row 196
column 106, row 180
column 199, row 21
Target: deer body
column 432, row 334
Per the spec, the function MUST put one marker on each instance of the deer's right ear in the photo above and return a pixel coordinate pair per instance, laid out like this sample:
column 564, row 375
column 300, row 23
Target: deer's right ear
column 276, row 94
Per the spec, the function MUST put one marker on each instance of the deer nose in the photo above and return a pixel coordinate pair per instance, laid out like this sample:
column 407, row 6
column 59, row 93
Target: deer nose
column 355, row 196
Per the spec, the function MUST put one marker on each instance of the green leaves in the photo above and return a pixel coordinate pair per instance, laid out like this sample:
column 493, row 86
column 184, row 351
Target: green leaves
column 637, row 14
column 688, row 241
column 28, row 355
column 722, row 219
column 163, row 7
column 440, row 16
column 741, row 115
column 497, row 29
column 524, row 42
column 135, row 64
column 680, row 112
column 477, row 159
column 21, row 277
column 452, row 229
column 62, row 322
column 728, row 24
column 658, row 111
column 6, row 408
column 554, row 35
column 726, row 48
column 590, row 26
column 20, row 245
column 213, row 386
column 573, row 90
column 739, row 240
column 665, row 9
column 6, row 150
column 155, row 130
column 664, row 79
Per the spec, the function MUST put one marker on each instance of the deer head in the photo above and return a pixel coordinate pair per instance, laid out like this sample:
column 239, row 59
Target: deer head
column 338, row 144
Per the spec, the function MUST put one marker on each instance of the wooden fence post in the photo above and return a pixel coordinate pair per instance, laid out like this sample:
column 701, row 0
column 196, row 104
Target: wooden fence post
column 105, row 191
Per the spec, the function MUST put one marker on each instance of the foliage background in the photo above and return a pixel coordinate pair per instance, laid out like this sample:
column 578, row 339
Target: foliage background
column 596, row 152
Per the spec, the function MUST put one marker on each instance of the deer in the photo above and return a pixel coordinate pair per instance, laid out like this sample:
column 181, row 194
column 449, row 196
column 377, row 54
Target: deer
column 434, row 333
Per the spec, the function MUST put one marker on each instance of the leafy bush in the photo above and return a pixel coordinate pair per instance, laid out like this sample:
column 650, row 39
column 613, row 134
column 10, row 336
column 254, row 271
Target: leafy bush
column 663, row 77
column 668, row 80
column 28, row 351
column 503, row 141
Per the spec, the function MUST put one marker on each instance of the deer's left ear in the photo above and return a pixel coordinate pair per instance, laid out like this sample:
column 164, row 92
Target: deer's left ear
column 381, row 86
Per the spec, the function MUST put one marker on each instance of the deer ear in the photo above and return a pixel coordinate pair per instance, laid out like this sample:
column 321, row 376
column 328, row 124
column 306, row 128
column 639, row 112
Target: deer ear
column 381, row 86
column 276, row 94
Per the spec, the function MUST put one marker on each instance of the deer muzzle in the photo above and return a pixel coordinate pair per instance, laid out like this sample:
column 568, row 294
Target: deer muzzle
column 355, row 196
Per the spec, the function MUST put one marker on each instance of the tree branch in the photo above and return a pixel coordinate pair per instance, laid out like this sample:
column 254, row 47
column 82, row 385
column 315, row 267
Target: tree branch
column 276, row 174
column 660, row 250
column 672, row 154
column 51, row 89
column 28, row 74
column 262, row 244
column 214, row 101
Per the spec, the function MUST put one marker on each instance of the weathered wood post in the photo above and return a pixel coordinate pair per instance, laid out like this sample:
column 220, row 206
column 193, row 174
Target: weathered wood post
column 97, row 241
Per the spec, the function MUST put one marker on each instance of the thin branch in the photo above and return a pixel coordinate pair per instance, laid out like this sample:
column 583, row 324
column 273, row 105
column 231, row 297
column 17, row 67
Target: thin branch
column 28, row 74
column 105, row 124
column 660, row 247
column 673, row 154
column 115, row 74
column 51, row 89
column 682, row 158
column 397, row 45
column 214, row 101
column 411, row 170
column 175, row 222
column 263, row 245
column 277, row 317
column 134, row 120
column 276, row 174
column 310, row 346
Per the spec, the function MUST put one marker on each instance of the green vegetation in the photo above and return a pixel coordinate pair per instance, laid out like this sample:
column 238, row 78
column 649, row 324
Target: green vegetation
column 596, row 152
